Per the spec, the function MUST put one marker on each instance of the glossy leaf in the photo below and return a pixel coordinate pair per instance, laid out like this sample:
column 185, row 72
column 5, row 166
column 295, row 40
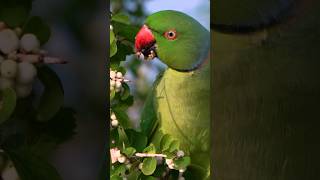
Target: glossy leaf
column 129, row 151
column 113, row 44
column 52, row 98
column 8, row 104
column 122, row 116
column 165, row 142
column 30, row 166
column 149, row 166
column 38, row 27
column 137, row 139
column 121, row 18
column 182, row 163
column 118, row 169
column 175, row 144
column 126, row 92
column 150, row 149
column 14, row 16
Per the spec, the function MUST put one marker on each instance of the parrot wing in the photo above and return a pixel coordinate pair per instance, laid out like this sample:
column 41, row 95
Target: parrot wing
column 149, row 120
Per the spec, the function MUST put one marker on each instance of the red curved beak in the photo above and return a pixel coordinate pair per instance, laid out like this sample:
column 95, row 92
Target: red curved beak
column 144, row 39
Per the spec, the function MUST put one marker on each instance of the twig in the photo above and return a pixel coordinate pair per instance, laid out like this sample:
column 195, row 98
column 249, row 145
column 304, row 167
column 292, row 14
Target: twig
column 150, row 155
column 36, row 58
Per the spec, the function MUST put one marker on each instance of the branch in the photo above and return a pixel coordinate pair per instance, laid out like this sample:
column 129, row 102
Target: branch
column 150, row 155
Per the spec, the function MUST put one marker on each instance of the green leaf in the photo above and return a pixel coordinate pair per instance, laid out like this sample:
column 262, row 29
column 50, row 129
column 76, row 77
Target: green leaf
column 126, row 31
column 118, row 169
column 150, row 149
column 113, row 49
column 144, row 177
column 175, row 144
column 160, row 170
column 113, row 44
column 114, row 136
column 112, row 37
column 8, row 104
column 149, row 166
column 112, row 94
column 123, row 138
column 122, row 116
column 121, row 18
column 125, row 104
column 182, row 163
column 30, row 166
column 137, row 139
column 122, row 52
column 38, row 27
column 165, row 142
column 115, row 177
column 52, row 98
column 14, row 16
column 129, row 151
column 134, row 175
column 62, row 126
column 126, row 91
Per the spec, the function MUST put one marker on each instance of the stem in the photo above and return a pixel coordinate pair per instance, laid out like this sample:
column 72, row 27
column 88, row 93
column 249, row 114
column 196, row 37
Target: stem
column 37, row 58
column 150, row 155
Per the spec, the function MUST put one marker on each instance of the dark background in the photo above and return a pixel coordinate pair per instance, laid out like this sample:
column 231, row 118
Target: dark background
column 79, row 34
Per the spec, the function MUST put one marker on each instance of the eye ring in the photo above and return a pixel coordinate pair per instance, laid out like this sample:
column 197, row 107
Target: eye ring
column 170, row 34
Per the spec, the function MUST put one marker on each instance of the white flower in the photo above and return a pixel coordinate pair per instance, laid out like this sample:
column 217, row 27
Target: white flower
column 115, row 154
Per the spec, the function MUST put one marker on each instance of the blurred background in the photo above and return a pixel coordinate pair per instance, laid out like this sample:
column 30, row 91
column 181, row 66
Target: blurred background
column 79, row 34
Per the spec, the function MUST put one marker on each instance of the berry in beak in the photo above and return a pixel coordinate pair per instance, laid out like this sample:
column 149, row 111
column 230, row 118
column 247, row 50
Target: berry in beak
column 145, row 44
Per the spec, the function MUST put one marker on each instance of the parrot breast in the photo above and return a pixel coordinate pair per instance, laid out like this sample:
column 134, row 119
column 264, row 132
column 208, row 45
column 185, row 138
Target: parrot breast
column 182, row 104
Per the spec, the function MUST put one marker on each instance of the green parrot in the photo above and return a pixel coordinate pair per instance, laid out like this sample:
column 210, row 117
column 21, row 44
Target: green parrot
column 179, row 102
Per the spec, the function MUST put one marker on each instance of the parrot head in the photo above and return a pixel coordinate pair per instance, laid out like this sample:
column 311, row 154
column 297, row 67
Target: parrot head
column 175, row 38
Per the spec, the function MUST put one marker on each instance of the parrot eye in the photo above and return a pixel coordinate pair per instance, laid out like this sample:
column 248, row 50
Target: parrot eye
column 170, row 35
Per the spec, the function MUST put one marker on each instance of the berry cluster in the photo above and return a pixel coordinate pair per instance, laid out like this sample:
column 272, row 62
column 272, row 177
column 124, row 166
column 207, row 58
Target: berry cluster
column 114, row 121
column 116, row 156
column 116, row 80
column 18, row 55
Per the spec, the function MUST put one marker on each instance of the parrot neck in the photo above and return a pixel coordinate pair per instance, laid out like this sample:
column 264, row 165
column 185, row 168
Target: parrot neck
column 202, row 63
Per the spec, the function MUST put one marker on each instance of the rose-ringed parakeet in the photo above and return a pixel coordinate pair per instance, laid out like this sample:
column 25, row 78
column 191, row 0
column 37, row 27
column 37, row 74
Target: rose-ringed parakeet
column 179, row 102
